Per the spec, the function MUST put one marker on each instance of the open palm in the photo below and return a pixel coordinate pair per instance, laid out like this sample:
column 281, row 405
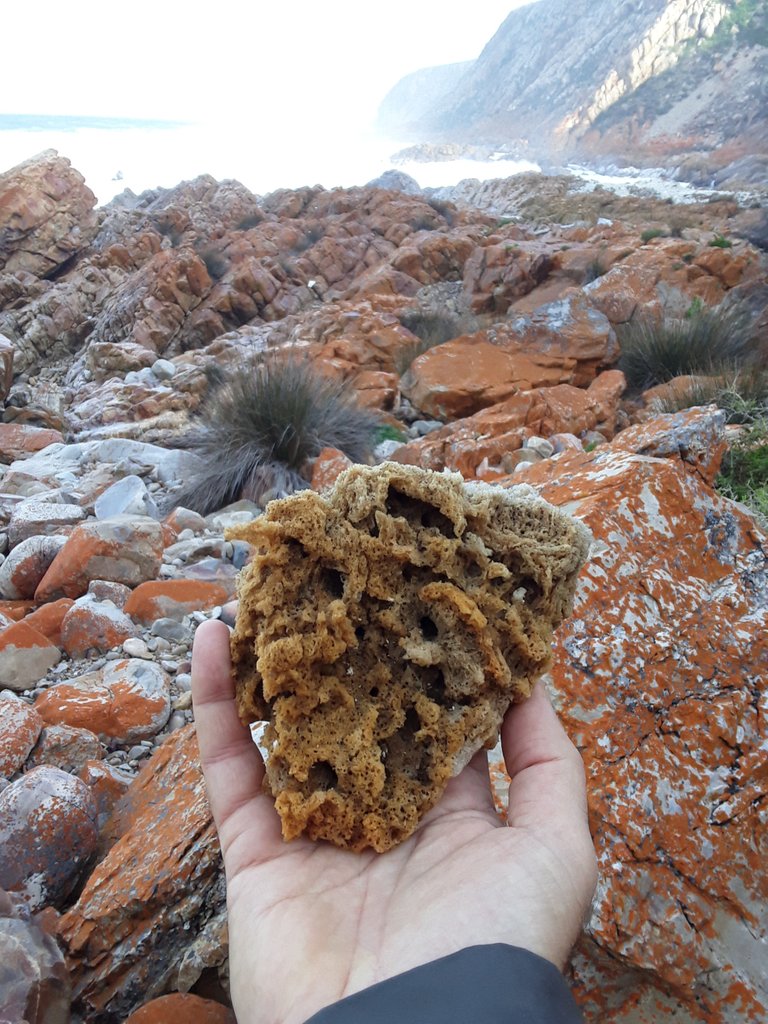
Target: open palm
column 310, row 924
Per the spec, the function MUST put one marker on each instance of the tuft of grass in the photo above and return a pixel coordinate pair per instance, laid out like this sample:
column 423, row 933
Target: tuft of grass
column 387, row 432
column 215, row 263
column 262, row 423
column 721, row 242
column 431, row 329
column 594, row 269
column 650, row 233
column 741, row 393
column 744, row 471
column 706, row 341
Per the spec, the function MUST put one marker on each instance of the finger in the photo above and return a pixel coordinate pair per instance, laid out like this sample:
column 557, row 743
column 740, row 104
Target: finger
column 548, row 785
column 231, row 760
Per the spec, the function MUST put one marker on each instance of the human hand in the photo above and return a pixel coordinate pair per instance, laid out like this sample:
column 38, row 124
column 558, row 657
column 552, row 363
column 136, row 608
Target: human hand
column 310, row 924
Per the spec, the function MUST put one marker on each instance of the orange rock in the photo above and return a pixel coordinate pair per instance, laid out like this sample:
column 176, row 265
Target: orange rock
column 728, row 265
column 182, row 1009
column 19, row 440
column 25, row 656
column 328, row 464
column 462, row 376
column 93, row 625
column 26, row 565
column 122, row 952
column 660, row 676
column 20, row 726
column 173, row 599
column 47, row 834
column 128, row 701
column 124, row 549
column 107, row 785
column 65, row 747
column 495, row 275
column 16, row 610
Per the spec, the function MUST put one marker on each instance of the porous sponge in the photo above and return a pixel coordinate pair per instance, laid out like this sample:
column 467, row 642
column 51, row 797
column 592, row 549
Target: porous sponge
column 383, row 630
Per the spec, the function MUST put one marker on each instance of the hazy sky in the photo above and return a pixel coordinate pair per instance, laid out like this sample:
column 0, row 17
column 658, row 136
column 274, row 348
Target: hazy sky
column 241, row 63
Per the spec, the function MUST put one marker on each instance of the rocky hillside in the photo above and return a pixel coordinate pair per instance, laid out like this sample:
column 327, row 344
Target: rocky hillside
column 632, row 80
column 482, row 345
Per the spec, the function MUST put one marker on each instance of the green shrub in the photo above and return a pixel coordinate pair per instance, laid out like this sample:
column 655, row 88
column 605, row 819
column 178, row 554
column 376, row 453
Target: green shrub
column 720, row 242
column 706, row 340
column 262, row 423
column 650, row 233
column 387, row 432
column 744, row 471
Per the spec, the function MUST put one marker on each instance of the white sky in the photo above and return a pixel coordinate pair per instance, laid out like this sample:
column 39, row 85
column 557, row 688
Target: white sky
column 244, row 64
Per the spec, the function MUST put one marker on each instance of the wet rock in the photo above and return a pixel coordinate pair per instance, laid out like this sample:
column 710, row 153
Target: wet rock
column 48, row 833
column 124, row 549
column 26, row 564
column 129, row 700
column 25, row 656
column 173, row 599
column 20, row 726
column 65, row 747
column 166, row 854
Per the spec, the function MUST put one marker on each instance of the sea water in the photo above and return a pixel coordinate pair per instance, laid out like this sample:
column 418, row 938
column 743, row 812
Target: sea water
column 114, row 154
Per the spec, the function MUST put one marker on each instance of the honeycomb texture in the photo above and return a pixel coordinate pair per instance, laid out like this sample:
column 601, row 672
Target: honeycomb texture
column 382, row 632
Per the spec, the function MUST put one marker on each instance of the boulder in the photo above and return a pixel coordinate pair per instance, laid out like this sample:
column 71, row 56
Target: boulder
column 182, row 1008
column 123, row 952
column 128, row 496
column 25, row 656
column 47, row 215
column 65, row 747
column 660, row 676
column 91, row 625
column 123, row 549
column 129, row 700
column 47, row 835
column 19, row 440
column 34, row 981
column 39, row 518
column 25, row 566
column 173, row 599
column 20, row 726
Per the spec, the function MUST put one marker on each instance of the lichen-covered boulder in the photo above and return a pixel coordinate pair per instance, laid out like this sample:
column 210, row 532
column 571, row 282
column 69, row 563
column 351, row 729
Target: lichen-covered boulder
column 125, row 951
column 662, row 679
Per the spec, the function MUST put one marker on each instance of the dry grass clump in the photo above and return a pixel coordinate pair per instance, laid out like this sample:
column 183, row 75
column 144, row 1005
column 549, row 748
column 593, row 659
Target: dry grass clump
column 262, row 423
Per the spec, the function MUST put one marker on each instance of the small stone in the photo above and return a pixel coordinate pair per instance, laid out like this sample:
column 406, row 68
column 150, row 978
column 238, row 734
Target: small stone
column 176, row 721
column 420, row 428
column 135, row 647
column 170, row 629
column 136, row 753
column 183, row 701
column 106, row 590
column 386, row 449
column 183, row 519
column 541, row 446
column 184, row 681
column 163, row 369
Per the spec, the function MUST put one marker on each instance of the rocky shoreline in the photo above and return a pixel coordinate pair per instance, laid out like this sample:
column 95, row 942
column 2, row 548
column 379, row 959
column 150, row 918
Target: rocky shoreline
column 114, row 323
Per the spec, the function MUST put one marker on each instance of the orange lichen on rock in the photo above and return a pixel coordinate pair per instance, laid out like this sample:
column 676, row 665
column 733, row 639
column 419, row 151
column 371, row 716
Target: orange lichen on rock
column 382, row 633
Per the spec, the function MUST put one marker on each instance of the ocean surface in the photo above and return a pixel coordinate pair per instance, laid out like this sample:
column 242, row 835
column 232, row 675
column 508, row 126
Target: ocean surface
column 114, row 154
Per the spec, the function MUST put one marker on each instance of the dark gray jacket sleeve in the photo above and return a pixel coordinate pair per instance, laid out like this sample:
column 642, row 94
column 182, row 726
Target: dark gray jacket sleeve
column 495, row 984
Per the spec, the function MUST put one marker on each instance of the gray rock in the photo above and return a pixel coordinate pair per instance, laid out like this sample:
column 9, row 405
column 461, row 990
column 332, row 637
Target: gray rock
column 541, row 446
column 420, row 428
column 170, row 629
column 128, row 496
column 386, row 449
column 26, row 565
column 163, row 369
column 33, row 518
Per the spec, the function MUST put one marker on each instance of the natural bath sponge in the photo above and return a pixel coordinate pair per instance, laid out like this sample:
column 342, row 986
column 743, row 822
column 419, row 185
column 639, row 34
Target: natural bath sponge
column 383, row 630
